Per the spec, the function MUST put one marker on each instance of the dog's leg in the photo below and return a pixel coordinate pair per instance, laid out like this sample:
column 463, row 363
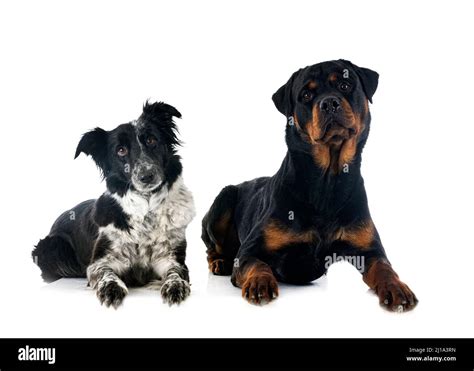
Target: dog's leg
column 256, row 279
column 170, row 267
column 219, row 233
column 110, row 289
column 361, row 241
column 56, row 258
column 392, row 292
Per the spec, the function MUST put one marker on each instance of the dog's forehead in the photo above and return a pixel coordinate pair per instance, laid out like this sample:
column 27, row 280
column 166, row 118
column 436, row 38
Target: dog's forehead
column 141, row 123
column 323, row 71
column 143, row 127
column 123, row 130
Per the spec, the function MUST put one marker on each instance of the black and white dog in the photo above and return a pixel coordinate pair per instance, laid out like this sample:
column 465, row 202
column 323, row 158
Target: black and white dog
column 134, row 234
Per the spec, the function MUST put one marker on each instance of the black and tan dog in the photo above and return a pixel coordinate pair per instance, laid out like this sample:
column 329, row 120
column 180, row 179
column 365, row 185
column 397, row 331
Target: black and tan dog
column 288, row 227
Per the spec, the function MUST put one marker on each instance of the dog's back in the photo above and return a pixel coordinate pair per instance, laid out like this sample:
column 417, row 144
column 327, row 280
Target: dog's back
column 66, row 250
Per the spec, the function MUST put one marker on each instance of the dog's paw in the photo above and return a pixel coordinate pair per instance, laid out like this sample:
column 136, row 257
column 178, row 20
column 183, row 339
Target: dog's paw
column 175, row 290
column 219, row 267
column 260, row 288
column 396, row 296
column 111, row 294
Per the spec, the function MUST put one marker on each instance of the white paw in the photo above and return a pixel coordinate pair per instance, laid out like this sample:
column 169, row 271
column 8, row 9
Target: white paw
column 175, row 290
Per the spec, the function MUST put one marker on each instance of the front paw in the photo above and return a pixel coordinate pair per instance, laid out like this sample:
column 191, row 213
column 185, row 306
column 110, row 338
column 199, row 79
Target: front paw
column 396, row 296
column 260, row 288
column 111, row 293
column 175, row 290
column 220, row 267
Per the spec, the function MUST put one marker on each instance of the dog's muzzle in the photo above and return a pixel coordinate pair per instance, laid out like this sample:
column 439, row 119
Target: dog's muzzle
column 146, row 176
column 330, row 105
column 335, row 127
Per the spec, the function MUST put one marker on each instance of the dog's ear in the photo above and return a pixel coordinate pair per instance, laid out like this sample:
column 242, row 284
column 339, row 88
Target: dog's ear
column 161, row 115
column 368, row 78
column 170, row 110
column 94, row 143
column 159, row 111
column 283, row 98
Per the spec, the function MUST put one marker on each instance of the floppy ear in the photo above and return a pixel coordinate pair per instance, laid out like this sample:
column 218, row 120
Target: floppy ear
column 170, row 110
column 94, row 143
column 159, row 111
column 368, row 78
column 161, row 115
column 283, row 97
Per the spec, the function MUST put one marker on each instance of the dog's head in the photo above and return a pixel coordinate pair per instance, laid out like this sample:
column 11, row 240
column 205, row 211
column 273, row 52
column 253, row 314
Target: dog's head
column 327, row 104
column 140, row 155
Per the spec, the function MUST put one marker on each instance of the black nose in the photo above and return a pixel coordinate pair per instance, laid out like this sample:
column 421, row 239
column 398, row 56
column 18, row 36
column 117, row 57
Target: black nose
column 147, row 178
column 330, row 105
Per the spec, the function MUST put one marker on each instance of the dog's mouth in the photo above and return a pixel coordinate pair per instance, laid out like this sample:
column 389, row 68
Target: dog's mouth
column 336, row 133
column 146, row 188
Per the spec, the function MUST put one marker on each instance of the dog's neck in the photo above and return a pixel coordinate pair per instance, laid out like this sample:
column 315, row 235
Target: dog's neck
column 325, row 190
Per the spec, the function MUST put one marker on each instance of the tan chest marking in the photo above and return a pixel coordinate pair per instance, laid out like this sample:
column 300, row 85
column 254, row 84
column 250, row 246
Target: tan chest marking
column 360, row 236
column 278, row 236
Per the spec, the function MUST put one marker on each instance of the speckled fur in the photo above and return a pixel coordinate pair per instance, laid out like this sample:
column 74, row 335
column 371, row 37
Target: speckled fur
column 152, row 243
column 134, row 234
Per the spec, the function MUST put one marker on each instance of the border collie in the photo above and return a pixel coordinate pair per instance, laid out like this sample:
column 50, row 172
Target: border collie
column 134, row 234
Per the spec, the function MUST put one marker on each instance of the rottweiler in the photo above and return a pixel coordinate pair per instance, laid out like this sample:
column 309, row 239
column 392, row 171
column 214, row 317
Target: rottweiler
column 290, row 227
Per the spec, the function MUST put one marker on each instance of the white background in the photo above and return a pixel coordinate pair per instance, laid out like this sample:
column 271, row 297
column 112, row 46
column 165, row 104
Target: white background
column 66, row 67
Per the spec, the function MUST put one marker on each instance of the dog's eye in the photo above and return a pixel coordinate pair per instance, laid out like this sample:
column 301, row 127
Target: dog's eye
column 150, row 141
column 307, row 96
column 344, row 86
column 122, row 151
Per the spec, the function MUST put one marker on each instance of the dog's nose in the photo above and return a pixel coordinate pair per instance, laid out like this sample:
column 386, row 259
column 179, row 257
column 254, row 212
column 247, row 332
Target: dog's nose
column 330, row 105
column 147, row 178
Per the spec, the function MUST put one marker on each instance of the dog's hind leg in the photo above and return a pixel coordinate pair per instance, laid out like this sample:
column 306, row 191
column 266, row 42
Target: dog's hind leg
column 56, row 258
column 219, row 233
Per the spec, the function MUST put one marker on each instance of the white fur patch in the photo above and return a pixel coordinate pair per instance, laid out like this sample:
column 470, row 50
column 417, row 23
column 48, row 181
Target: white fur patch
column 157, row 226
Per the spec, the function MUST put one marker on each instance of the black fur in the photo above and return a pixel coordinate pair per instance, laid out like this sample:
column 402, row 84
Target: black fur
column 107, row 211
column 285, row 227
column 69, row 247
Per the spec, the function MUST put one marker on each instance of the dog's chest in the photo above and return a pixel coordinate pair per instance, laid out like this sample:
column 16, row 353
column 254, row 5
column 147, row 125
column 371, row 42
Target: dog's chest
column 147, row 219
column 156, row 224
column 311, row 233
